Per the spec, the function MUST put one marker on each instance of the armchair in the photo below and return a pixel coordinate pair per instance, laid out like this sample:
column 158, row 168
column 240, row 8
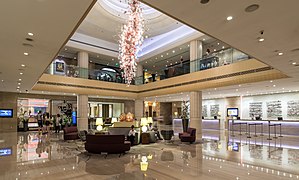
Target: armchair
column 189, row 136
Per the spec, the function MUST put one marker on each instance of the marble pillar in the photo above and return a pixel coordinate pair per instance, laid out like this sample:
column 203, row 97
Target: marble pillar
column 82, row 100
column 195, row 112
column 195, row 55
column 139, row 109
column 139, row 74
column 82, row 112
column 83, row 64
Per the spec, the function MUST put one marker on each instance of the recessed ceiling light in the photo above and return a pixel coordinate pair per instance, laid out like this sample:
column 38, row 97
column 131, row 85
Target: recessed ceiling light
column 188, row 45
column 218, row 44
column 156, row 58
column 90, row 61
column 203, row 39
column 214, row 49
column 166, row 53
column 19, row 83
column 23, row 65
column 173, row 51
column 176, row 62
column 21, row 73
column 145, row 62
column 237, row 89
column 215, row 89
column 222, row 47
column 74, row 94
column 280, row 54
column 65, row 49
column 30, row 34
column 20, row 79
column 271, row 81
column 261, row 39
column 98, row 56
column 161, row 56
column 2, row 80
column 229, row 18
column 274, row 85
column 26, row 54
column 240, row 85
column 180, row 48
column 112, row 59
column 294, row 63
column 18, row 87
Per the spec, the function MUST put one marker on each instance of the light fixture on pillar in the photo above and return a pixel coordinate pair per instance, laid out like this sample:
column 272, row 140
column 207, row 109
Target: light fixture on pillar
column 131, row 39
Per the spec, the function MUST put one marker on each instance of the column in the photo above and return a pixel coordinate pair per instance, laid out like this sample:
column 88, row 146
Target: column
column 83, row 64
column 139, row 74
column 82, row 100
column 195, row 54
column 138, row 109
column 82, row 112
column 195, row 112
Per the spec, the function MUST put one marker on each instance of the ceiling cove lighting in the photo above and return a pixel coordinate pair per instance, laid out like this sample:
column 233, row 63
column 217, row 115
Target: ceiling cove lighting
column 131, row 39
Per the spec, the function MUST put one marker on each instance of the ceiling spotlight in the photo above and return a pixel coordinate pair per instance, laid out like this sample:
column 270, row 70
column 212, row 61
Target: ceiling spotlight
column 261, row 39
column 274, row 85
column 26, row 54
column 214, row 49
column 161, row 56
column 18, row 87
column 229, row 18
column 222, row 47
column 74, row 94
column 188, row 45
column 173, row 51
column 271, row 81
column 23, row 65
column 203, row 39
column 65, row 49
column 294, row 63
column 218, row 44
column 19, row 83
column 20, row 79
column 30, row 34
column 280, row 54
column 90, row 61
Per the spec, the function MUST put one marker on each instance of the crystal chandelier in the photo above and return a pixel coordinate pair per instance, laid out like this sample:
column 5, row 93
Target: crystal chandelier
column 131, row 39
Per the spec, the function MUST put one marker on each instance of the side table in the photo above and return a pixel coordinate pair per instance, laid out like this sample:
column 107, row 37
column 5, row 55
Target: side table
column 145, row 138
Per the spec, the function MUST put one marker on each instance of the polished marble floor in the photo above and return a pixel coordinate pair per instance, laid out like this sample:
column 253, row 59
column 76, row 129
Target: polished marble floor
column 220, row 156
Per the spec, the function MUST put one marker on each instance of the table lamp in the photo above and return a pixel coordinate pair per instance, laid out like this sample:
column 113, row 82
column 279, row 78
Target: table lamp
column 114, row 120
column 99, row 123
column 143, row 123
column 150, row 120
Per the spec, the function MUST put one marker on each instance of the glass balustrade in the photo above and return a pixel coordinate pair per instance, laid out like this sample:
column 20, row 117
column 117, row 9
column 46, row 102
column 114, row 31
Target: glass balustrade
column 216, row 59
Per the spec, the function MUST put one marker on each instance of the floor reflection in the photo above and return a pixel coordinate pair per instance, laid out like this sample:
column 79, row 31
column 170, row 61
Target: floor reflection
column 219, row 157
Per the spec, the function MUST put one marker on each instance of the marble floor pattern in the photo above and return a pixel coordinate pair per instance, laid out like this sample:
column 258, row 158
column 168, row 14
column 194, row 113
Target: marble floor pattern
column 220, row 156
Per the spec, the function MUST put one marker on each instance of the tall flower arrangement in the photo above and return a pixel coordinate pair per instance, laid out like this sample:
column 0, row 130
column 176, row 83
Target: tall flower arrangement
column 131, row 39
column 185, row 110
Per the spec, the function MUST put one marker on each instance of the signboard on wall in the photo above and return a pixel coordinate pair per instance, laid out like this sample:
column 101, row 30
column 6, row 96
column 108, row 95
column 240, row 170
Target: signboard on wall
column 59, row 66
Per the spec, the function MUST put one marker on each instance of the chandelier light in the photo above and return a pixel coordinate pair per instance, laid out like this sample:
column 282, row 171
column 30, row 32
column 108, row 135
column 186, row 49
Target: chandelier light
column 131, row 39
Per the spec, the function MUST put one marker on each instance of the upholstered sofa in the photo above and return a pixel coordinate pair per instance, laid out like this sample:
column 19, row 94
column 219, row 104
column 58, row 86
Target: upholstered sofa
column 111, row 144
column 70, row 133
column 189, row 136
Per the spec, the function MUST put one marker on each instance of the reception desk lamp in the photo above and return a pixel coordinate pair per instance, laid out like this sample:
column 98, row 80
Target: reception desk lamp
column 99, row 123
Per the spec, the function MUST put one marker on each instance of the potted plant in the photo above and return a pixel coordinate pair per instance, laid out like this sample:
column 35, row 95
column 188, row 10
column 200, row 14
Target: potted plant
column 185, row 115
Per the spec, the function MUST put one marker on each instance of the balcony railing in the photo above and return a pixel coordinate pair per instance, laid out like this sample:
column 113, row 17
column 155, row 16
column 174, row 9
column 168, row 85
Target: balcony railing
column 221, row 58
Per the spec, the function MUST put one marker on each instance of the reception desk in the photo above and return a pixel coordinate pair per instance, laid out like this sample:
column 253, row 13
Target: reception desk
column 213, row 124
column 288, row 127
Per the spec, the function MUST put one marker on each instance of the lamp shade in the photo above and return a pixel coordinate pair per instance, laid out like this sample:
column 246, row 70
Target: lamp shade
column 99, row 121
column 114, row 120
column 150, row 120
column 143, row 121
column 143, row 163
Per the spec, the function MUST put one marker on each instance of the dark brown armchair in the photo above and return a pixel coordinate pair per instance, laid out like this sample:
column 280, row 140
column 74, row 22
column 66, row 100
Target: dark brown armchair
column 189, row 136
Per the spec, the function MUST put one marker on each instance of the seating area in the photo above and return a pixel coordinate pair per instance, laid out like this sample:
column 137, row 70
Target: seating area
column 189, row 136
column 111, row 144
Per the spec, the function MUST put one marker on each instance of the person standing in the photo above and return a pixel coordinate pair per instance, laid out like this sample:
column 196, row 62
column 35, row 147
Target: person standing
column 57, row 123
column 47, row 122
column 40, row 121
column 131, row 135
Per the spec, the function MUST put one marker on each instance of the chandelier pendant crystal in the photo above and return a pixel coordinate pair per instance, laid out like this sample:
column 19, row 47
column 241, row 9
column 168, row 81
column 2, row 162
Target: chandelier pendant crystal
column 130, row 42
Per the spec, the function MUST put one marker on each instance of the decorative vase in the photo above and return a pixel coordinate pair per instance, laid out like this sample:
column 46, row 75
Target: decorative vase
column 185, row 123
